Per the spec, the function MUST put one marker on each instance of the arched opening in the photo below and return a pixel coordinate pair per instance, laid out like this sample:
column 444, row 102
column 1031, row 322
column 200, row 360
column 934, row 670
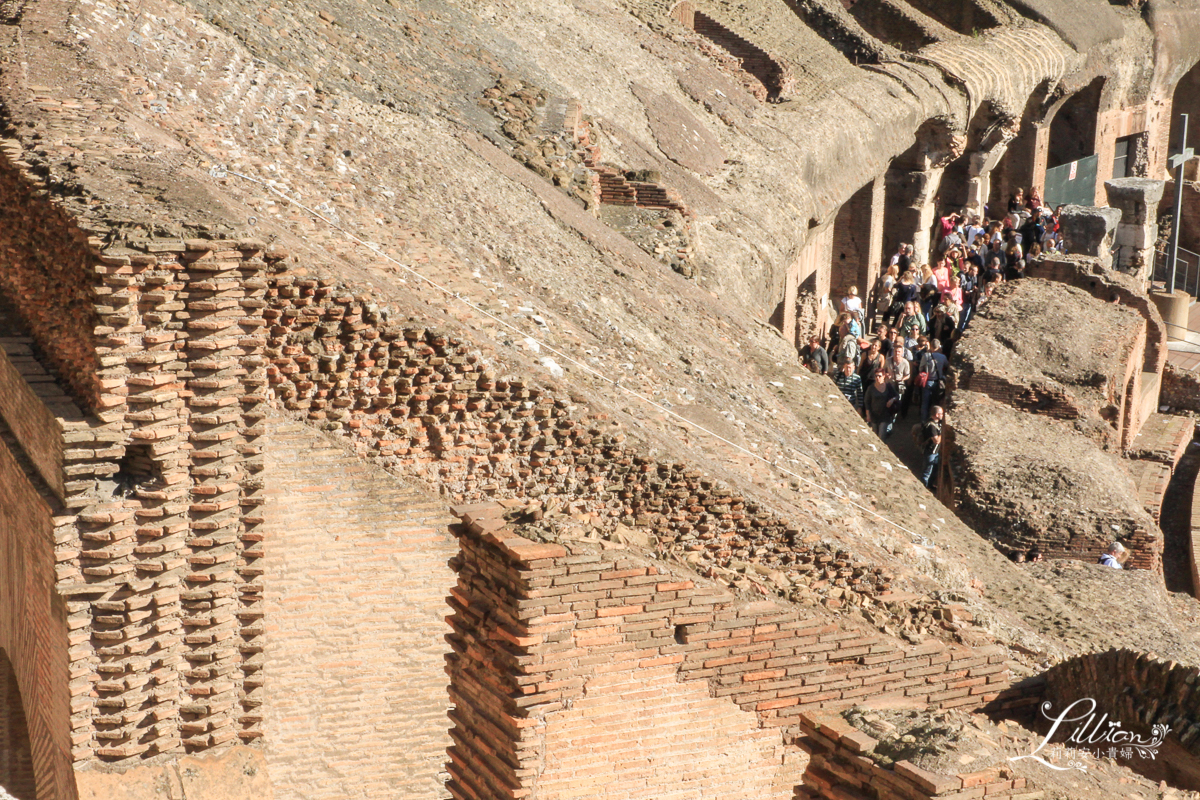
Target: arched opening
column 912, row 183
column 1071, row 161
column 16, row 753
column 1073, row 130
column 1023, row 163
column 966, row 181
column 1186, row 100
column 857, row 251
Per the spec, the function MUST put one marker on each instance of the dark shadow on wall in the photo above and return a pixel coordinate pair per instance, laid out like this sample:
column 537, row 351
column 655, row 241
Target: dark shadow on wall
column 16, row 753
column 1073, row 131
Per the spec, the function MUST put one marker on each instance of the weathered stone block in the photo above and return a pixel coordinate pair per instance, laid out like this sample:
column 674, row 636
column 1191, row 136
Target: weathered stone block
column 1090, row 230
column 1137, row 198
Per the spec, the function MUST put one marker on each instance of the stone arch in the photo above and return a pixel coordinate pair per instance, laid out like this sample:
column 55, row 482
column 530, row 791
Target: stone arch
column 966, row 180
column 912, row 181
column 1073, row 125
column 16, row 750
column 1023, row 162
column 857, row 245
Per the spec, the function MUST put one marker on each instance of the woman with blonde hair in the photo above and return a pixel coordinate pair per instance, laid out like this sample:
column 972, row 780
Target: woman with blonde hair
column 852, row 304
column 930, row 289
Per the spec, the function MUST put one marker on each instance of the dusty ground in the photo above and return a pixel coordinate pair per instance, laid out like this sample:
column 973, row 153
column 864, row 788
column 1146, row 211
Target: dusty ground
column 1125, row 600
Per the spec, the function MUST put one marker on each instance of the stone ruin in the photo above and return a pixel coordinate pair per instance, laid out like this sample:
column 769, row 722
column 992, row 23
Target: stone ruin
column 310, row 317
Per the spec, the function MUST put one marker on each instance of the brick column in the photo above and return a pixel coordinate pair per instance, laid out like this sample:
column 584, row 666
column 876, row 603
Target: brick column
column 220, row 574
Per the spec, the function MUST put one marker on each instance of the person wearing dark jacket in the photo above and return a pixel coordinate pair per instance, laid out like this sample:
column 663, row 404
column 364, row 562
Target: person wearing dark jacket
column 815, row 357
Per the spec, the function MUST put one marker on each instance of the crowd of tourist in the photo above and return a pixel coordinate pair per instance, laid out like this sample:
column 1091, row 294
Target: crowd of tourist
column 893, row 355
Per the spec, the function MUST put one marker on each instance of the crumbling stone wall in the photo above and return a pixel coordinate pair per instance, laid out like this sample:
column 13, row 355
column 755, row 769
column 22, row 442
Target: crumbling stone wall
column 538, row 625
column 47, row 271
column 1108, row 285
column 1180, row 389
column 34, row 636
column 1052, row 350
column 843, row 757
column 1025, row 481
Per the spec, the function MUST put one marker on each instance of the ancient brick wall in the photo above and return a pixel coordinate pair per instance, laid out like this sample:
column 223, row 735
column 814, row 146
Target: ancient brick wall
column 159, row 560
column 16, row 748
column 770, row 73
column 539, row 625
column 843, row 762
column 991, row 448
column 34, row 637
column 1014, row 354
column 857, row 244
column 1180, row 389
column 47, row 272
column 354, row 601
column 1138, row 690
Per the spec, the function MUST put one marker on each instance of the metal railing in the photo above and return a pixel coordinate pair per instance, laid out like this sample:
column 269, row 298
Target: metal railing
column 1187, row 270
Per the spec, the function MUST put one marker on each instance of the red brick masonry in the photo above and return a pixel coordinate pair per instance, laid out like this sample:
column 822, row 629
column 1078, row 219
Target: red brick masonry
column 541, row 629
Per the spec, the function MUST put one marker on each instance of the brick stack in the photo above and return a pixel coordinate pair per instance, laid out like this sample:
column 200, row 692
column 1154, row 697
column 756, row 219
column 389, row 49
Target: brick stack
column 614, row 189
column 534, row 622
column 159, row 563
column 221, row 592
column 843, row 766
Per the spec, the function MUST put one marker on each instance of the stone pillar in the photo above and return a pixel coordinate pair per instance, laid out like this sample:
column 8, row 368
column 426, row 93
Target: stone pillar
column 791, row 287
column 979, row 184
column 1090, row 231
column 1174, row 309
column 1137, row 199
column 911, row 208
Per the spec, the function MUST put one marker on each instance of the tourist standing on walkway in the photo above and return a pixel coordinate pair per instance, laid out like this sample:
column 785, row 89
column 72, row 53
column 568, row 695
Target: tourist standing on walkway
column 815, row 357
column 850, row 385
column 933, row 366
column 881, row 403
column 931, row 444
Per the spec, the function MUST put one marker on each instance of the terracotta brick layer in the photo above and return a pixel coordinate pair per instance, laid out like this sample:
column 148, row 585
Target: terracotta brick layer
column 548, row 637
column 843, row 766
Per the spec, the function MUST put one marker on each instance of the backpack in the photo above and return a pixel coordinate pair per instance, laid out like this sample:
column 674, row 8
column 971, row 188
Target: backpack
column 918, row 436
column 929, row 368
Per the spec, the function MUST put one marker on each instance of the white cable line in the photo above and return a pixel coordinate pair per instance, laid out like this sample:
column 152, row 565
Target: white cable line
column 457, row 296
